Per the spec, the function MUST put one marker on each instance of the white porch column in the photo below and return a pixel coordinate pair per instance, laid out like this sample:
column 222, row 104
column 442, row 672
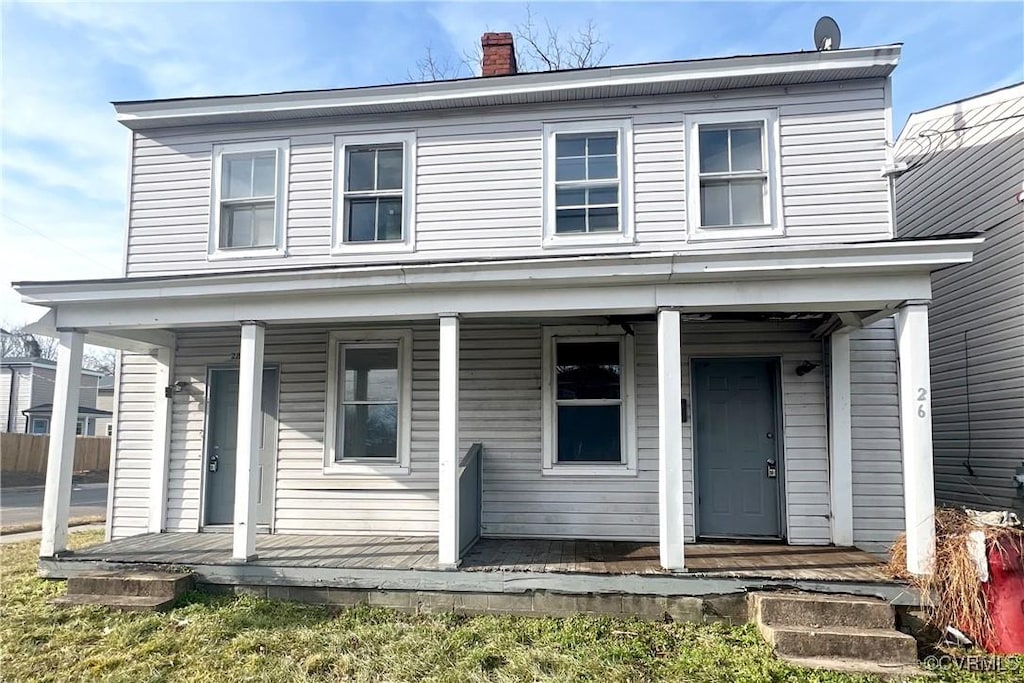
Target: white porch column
column 448, row 444
column 670, row 442
column 61, row 458
column 162, row 405
column 841, row 440
column 250, row 424
column 916, row 431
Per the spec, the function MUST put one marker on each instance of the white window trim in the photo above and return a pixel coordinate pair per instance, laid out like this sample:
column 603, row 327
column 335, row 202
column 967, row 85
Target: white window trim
column 279, row 248
column 626, row 233
column 357, row 468
column 46, row 425
column 628, row 467
column 769, row 118
column 408, row 243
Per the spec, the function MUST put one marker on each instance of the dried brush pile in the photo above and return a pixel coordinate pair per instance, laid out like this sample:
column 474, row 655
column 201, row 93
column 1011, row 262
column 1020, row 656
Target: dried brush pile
column 956, row 587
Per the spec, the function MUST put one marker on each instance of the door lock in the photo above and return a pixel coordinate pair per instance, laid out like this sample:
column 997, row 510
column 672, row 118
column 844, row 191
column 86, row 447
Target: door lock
column 773, row 471
column 214, row 463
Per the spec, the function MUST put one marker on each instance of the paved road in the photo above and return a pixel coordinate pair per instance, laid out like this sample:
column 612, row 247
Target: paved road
column 25, row 505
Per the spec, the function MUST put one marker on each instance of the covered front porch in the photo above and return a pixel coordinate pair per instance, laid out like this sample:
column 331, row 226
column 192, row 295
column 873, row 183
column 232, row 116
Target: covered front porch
column 459, row 320
column 491, row 566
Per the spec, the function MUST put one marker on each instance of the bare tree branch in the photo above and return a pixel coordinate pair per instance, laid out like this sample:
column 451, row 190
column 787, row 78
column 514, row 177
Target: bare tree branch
column 540, row 46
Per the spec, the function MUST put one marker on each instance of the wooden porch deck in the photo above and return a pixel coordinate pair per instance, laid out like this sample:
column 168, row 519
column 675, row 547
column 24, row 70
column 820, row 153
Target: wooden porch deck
column 515, row 556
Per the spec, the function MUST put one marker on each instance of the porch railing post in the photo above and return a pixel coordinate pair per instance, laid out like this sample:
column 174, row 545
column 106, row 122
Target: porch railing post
column 448, row 443
column 840, row 439
column 61, row 456
column 916, row 432
column 670, row 442
column 250, row 425
column 161, row 438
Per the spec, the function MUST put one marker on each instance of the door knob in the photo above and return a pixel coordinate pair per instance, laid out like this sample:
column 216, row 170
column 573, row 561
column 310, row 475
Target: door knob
column 772, row 470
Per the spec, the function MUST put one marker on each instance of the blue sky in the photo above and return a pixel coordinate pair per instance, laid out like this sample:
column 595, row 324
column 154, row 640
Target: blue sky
column 63, row 184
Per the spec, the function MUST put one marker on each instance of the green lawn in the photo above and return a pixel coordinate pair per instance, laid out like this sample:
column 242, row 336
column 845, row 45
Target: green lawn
column 229, row 639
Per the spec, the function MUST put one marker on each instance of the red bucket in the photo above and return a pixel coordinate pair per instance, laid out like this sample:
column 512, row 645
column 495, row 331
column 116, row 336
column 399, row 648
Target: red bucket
column 1004, row 594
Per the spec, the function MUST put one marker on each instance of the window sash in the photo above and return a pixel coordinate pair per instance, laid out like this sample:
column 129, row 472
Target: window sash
column 342, row 402
column 588, row 183
column 391, row 193
column 727, row 177
column 590, row 402
column 226, row 239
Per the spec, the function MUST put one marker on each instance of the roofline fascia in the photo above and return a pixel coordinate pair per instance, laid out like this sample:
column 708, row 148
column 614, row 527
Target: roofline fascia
column 669, row 265
column 148, row 112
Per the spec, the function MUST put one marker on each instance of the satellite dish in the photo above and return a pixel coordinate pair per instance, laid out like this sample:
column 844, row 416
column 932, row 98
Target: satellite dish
column 826, row 34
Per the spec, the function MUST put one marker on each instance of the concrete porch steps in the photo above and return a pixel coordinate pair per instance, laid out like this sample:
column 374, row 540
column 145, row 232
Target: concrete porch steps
column 834, row 632
column 127, row 590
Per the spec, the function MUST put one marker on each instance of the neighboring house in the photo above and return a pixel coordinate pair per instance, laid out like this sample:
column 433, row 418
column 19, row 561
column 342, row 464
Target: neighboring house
column 666, row 299
column 965, row 172
column 105, row 401
column 26, row 394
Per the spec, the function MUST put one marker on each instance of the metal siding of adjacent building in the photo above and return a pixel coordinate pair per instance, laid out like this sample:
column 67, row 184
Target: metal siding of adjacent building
column 977, row 313
column 832, row 146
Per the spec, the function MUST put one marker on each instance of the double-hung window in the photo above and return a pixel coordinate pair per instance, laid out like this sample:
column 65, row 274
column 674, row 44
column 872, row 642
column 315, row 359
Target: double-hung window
column 369, row 399
column 732, row 174
column 589, row 401
column 586, row 167
column 248, row 194
column 375, row 200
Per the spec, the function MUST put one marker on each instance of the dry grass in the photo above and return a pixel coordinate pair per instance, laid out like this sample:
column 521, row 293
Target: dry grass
column 955, row 584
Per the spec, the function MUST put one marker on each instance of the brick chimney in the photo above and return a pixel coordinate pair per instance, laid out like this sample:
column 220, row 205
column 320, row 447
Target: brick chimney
column 499, row 54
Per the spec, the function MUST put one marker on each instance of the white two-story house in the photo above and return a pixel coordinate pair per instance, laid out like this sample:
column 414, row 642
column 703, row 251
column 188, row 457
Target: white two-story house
column 665, row 300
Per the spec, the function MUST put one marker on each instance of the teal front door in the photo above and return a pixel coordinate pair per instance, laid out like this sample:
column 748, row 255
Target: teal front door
column 222, row 431
column 739, row 472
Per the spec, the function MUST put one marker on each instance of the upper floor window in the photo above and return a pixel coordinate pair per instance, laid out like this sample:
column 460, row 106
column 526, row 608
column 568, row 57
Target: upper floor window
column 732, row 179
column 248, row 194
column 586, row 167
column 375, row 208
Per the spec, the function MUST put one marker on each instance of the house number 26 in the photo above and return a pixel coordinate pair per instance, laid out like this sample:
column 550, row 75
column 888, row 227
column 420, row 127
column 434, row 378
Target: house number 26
column 922, row 396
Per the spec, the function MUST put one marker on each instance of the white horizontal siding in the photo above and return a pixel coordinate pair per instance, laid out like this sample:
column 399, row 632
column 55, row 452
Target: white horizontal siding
column 804, row 437
column 878, row 516
column 133, row 444
column 306, row 500
column 964, row 176
column 479, row 189
column 500, row 385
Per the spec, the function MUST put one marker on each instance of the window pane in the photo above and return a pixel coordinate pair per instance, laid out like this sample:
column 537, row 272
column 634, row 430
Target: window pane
column 587, row 370
column 389, row 169
column 748, row 202
column 570, row 169
column 599, row 168
column 263, row 174
column 370, row 431
column 360, row 169
column 570, row 197
column 602, row 144
column 714, row 203
column 605, row 219
column 360, row 223
column 746, row 149
column 263, row 226
column 236, row 226
column 237, row 181
column 570, row 220
column 570, row 145
column 371, row 374
column 589, row 433
column 389, row 219
column 714, row 151
column 603, row 195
